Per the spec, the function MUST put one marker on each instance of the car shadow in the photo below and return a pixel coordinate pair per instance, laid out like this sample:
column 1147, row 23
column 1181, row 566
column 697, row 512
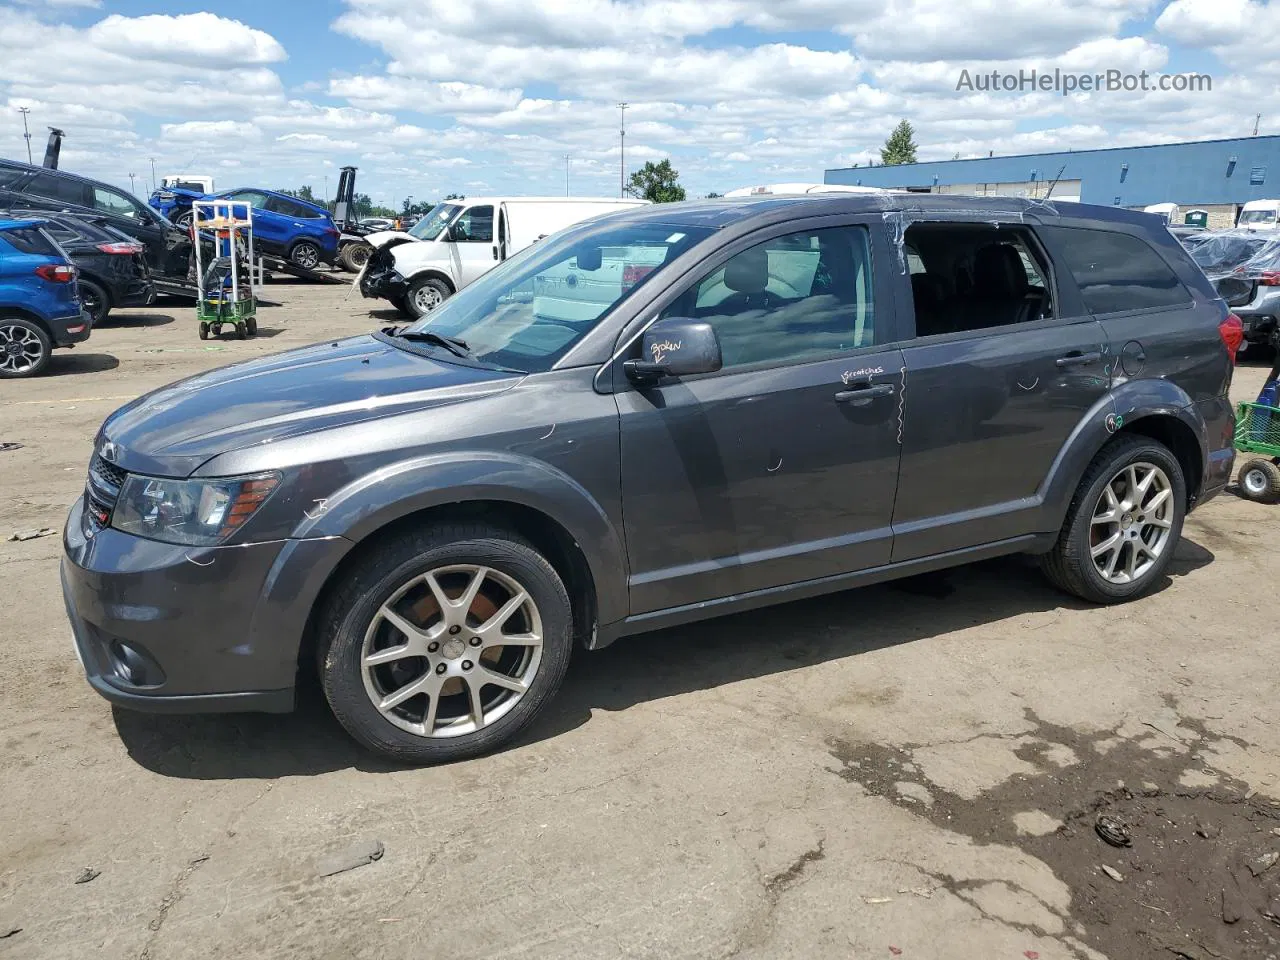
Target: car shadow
column 70, row 364
column 115, row 319
column 390, row 313
column 638, row 669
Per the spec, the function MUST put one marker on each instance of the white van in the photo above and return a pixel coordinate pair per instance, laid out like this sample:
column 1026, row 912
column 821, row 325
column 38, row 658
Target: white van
column 1167, row 211
column 461, row 239
column 1260, row 215
column 196, row 183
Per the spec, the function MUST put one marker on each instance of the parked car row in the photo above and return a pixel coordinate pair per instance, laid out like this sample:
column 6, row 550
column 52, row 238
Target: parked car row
column 40, row 307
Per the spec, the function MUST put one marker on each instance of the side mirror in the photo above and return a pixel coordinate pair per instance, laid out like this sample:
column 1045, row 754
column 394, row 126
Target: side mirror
column 675, row 347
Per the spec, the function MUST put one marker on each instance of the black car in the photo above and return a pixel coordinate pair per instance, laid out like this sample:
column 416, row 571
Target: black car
column 650, row 418
column 24, row 187
column 112, row 267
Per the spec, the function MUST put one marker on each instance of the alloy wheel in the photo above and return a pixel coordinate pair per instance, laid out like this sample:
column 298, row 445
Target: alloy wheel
column 306, row 256
column 20, row 348
column 452, row 651
column 1131, row 523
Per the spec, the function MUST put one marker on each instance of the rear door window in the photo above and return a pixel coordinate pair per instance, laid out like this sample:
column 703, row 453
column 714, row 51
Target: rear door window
column 31, row 240
column 59, row 188
column 1117, row 272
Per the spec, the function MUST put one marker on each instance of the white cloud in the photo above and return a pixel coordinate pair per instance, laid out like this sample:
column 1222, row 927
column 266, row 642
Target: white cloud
column 199, row 38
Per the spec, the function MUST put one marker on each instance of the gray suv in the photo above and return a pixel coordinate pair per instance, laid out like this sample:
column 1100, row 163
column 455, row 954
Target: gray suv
column 651, row 418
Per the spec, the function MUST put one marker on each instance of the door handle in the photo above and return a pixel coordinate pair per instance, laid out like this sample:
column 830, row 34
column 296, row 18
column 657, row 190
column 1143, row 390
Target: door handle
column 495, row 251
column 864, row 394
column 1078, row 359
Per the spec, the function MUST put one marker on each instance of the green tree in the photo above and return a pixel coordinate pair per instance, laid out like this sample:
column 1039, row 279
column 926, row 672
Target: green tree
column 302, row 193
column 659, row 182
column 712, row 195
column 900, row 147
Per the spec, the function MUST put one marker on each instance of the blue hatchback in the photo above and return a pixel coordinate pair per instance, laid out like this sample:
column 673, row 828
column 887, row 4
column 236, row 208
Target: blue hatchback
column 301, row 232
column 39, row 303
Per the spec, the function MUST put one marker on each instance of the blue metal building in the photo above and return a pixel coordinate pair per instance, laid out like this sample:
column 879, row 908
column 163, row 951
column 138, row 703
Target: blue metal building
column 1202, row 173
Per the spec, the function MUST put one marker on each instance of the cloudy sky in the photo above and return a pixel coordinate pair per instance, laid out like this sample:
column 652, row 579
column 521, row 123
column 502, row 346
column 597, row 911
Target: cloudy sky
column 488, row 96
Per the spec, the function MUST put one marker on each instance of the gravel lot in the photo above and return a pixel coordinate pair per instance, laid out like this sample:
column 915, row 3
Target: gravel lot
column 878, row 773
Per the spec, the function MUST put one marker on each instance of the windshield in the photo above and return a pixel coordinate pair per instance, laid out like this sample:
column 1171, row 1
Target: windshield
column 1257, row 218
column 526, row 314
column 433, row 224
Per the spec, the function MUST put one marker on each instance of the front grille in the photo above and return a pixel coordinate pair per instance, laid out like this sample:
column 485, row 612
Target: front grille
column 102, row 490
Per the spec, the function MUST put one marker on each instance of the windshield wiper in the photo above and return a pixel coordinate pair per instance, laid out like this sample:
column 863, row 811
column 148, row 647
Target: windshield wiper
column 455, row 345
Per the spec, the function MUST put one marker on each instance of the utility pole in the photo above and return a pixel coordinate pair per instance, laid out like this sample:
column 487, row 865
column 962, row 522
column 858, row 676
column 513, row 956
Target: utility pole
column 622, row 162
column 153, row 173
column 326, row 189
column 132, row 188
column 1256, row 120
column 26, row 133
column 566, row 174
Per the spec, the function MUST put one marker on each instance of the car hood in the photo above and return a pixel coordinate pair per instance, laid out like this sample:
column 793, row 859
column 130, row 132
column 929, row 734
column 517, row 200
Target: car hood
column 382, row 238
column 173, row 430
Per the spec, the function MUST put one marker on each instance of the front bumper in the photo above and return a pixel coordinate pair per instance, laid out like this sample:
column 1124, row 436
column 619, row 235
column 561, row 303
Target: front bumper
column 175, row 629
column 381, row 280
column 69, row 330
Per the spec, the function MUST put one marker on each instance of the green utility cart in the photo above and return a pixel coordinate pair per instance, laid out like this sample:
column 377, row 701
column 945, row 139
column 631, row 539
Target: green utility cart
column 226, row 296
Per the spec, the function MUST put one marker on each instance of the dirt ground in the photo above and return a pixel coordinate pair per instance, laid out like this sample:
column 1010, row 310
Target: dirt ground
column 913, row 770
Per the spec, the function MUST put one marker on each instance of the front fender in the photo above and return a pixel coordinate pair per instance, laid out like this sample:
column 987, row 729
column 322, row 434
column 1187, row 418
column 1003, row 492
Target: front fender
column 371, row 502
column 1127, row 404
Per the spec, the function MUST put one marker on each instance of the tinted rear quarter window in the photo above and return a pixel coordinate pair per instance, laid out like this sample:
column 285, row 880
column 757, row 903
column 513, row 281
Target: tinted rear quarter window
column 1117, row 272
column 31, row 240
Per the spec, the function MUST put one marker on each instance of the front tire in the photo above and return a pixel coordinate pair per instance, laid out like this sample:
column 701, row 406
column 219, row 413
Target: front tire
column 425, row 294
column 305, row 254
column 25, row 348
column 1260, row 481
column 444, row 643
column 1123, row 524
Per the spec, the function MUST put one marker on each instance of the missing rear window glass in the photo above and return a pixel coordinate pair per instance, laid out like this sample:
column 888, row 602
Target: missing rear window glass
column 967, row 276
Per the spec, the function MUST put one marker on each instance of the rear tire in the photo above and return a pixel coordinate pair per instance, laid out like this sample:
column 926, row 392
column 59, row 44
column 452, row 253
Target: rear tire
column 392, row 576
column 204, row 331
column 95, row 300
column 25, row 348
column 1090, row 543
column 305, row 254
column 354, row 256
column 1260, row 481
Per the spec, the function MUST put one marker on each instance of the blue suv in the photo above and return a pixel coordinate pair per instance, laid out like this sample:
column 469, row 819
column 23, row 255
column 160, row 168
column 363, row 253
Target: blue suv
column 39, row 303
column 302, row 233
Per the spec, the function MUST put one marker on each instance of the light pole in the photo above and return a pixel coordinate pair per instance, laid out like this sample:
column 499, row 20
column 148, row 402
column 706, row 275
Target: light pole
column 622, row 162
column 132, row 188
column 153, row 173
column 566, row 174
column 26, row 133
column 326, row 189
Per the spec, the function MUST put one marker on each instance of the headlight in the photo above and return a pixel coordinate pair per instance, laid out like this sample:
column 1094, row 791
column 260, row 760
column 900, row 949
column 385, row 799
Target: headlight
column 191, row 512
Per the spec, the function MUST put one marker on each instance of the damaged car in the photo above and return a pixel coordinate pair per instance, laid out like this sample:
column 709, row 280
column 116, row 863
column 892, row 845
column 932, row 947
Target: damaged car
column 457, row 242
column 1244, row 267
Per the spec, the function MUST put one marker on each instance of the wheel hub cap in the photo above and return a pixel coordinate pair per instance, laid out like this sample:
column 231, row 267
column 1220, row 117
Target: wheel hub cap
column 1132, row 522
column 452, row 651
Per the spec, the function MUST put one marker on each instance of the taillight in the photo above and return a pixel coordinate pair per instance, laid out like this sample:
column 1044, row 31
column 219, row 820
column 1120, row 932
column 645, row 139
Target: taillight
column 1269, row 278
column 122, row 248
column 633, row 273
column 1231, row 330
column 56, row 272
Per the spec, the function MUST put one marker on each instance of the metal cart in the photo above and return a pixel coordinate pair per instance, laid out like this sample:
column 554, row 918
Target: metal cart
column 1258, row 432
column 226, row 295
